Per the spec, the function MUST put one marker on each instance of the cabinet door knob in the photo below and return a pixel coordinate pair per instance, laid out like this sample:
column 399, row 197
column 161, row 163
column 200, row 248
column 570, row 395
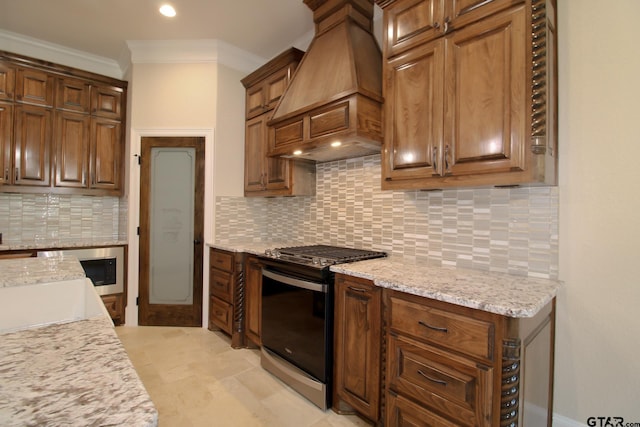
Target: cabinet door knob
column 445, row 28
column 17, row 174
column 6, row 174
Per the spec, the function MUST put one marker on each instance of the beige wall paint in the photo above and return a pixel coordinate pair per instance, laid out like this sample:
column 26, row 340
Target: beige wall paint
column 229, row 170
column 597, row 368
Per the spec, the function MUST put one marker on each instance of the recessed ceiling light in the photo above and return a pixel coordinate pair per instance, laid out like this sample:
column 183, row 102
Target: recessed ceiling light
column 297, row 152
column 336, row 144
column 167, row 10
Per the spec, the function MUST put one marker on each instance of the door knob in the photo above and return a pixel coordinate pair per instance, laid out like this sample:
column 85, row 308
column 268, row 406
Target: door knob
column 196, row 242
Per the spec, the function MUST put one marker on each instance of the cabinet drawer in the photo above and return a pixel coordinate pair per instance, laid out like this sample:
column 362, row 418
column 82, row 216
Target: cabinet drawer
column 451, row 384
column 403, row 412
column 221, row 284
column 454, row 331
column 221, row 260
column 220, row 314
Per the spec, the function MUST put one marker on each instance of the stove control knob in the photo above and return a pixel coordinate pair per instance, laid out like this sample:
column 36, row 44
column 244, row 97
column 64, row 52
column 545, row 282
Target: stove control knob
column 276, row 253
column 268, row 252
column 324, row 261
column 315, row 261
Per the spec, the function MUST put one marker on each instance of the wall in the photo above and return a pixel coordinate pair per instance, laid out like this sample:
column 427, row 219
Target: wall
column 186, row 99
column 502, row 230
column 50, row 219
column 597, row 368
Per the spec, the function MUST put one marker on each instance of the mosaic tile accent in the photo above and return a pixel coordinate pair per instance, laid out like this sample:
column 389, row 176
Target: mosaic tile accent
column 37, row 218
column 501, row 230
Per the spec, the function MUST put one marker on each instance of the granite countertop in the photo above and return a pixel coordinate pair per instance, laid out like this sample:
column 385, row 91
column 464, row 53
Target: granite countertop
column 31, row 271
column 505, row 294
column 59, row 244
column 508, row 295
column 72, row 374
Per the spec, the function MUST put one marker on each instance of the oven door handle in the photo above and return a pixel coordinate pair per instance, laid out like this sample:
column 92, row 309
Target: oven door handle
column 298, row 283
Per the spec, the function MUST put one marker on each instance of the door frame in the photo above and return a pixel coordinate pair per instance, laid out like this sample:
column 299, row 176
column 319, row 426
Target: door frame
column 133, row 186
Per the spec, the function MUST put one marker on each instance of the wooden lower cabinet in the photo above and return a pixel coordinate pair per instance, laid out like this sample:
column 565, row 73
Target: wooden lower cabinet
column 115, row 307
column 357, row 344
column 226, row 294
column 253, row 301
column 407, row 360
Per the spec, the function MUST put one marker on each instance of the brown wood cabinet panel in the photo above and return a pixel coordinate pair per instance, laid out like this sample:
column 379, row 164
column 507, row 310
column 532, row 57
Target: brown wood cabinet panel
column 6, row 146
column 255, row 154
column 221, row 285
column 358, row 341
column 462, row 12
column 73, row 95
column 221, row 260
column 72, row 150
column 410, row 23
column 227, row 294
column 115, row 307
column 484, row 102
column 455, row 331
column 7, row 82
column 107, row 101
column 35, row 87
column 414, row 120
column 452, row 385
column 107, row 150
column 32, row 149
column 220, row 314
column 402, row 412
column 253, row 294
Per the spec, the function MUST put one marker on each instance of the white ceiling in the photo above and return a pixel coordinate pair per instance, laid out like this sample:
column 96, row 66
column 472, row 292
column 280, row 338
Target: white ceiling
column 102, row 27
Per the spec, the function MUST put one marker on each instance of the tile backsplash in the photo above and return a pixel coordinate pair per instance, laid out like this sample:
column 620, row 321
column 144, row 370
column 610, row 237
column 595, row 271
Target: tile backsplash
column 41, row 218
column 495, row 229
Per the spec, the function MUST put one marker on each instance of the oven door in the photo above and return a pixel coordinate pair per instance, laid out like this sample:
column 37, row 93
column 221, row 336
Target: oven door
column 296, row 322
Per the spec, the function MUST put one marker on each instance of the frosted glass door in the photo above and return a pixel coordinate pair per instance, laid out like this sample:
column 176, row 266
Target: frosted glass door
column 171, row 225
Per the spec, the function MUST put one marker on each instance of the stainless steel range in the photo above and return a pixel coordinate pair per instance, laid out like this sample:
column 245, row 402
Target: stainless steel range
column 297, row 315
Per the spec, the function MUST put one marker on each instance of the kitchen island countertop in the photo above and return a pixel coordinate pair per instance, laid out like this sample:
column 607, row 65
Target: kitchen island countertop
column 71, row 374
column 500, row 293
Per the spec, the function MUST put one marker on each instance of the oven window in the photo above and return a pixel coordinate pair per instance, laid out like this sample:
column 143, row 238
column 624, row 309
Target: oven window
column 101, row 271
column 293, row 325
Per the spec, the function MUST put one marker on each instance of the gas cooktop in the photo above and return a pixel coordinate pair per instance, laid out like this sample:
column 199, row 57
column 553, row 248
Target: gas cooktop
column 321, row 255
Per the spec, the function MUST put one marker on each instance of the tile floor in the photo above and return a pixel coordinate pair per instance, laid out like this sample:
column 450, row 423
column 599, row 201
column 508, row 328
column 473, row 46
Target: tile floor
column 195, row 378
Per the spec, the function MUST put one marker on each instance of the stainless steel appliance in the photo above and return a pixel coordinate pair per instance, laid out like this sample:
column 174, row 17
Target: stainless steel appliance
column 104, row 266
column 297, row 315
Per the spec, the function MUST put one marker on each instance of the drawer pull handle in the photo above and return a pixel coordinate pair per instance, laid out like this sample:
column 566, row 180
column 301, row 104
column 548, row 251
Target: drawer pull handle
column 433, row 380
column 435, row 328
column 357, row 289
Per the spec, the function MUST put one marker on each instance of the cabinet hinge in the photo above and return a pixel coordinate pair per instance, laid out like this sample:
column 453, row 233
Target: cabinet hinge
column 138, row 231
column 139, row 158
column 137, row 300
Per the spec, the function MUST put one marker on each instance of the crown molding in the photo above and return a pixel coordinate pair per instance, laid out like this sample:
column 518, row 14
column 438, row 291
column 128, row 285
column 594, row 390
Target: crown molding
column 193, row 51
column 28, row 46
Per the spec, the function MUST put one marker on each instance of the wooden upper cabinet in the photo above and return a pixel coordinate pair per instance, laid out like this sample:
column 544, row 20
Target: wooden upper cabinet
column 73, row 95
column 413, row 22
column 107, row 101
column 72, row 150
column 264, row 96
column 414, row 112
column 7, row 82
column 485, row 106
column 32, row 149
column 35, row 87
column 6, row 130
column 475, row 105
column 106, row 154
column 263, row 175
column 61, row 129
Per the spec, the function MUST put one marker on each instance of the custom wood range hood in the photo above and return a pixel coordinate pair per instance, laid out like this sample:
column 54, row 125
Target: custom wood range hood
column 332, row 108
